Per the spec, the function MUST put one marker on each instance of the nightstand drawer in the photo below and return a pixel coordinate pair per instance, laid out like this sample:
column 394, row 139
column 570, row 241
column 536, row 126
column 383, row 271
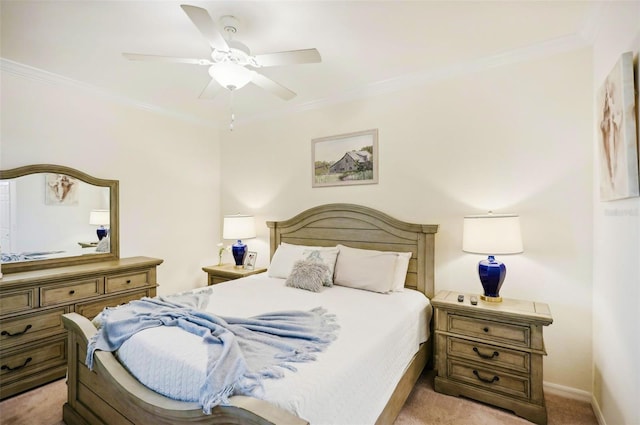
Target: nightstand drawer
column 489, row 378
column 490, row 354
column 70, row 292
column 126, row 281
column 496, row 331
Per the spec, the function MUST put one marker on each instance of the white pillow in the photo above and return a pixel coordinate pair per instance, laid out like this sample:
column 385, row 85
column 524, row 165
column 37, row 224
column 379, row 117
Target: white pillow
column 400, row 267
column 400, row 274
column 286, row 255
column 365, row 269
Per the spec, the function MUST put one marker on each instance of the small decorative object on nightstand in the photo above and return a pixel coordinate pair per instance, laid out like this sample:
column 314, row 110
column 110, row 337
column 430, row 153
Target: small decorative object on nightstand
column 492, row 352
column 218, row 274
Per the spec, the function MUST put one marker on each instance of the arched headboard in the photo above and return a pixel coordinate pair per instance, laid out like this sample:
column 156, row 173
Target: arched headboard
column 363, row 227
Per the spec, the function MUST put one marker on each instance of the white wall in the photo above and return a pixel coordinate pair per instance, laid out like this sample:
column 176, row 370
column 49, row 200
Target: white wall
column 511, row 139
column 168, row 169
column 616, row 266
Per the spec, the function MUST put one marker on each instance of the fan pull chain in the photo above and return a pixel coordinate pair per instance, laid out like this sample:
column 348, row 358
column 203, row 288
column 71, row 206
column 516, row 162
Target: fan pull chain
column 233, row 116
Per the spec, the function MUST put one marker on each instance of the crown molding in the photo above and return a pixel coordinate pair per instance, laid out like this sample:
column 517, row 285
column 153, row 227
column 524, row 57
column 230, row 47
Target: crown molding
column 35, row 74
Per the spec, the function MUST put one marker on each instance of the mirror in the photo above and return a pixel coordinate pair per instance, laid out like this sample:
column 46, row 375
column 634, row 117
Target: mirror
column 53, row 216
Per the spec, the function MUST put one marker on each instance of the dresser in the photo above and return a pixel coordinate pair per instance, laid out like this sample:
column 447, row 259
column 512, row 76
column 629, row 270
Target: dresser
column 224, row 272
column 32, row 337
column 492, row 352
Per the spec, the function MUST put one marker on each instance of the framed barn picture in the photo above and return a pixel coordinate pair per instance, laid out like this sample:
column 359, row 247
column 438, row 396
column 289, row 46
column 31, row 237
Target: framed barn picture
column 617, row 140
column 345, row 159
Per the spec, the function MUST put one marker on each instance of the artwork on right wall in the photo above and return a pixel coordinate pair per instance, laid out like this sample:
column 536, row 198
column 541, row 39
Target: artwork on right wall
column 617, row 137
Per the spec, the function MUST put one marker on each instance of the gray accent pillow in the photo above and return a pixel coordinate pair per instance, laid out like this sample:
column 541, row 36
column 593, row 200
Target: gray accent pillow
column 308, row 275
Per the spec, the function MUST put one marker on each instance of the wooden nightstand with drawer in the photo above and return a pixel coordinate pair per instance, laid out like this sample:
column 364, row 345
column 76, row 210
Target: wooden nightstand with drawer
column 224, row 272
column 492, row 352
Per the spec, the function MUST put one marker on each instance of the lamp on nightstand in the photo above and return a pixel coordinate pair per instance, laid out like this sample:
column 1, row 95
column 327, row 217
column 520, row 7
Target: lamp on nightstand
column 239, row 227
column 492, row 234
column 100, row 218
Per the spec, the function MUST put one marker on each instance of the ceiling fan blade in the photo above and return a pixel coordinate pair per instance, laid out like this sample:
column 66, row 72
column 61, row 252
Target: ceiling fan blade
column 202, row 20
column 211, row 91
column 291, row 57
column 272, row 87
column 156, row 58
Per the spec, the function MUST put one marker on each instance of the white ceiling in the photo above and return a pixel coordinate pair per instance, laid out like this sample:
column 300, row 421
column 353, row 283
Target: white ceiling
column 366, row 46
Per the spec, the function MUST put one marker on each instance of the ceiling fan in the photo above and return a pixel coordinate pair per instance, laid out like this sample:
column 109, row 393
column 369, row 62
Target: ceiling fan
column 231, row 65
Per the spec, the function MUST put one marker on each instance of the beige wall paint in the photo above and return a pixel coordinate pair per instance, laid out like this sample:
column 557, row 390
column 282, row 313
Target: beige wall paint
column 511, row 139
column 168, row 169
column 616, row 266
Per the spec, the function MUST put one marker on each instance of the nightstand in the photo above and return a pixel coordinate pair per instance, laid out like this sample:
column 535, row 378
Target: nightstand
column 492, row 352
column 218, row 274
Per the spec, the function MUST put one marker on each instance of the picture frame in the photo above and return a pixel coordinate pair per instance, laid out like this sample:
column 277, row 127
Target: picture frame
column 250, row 260
column 60, row 189
column 345, row 159
column 617, row 136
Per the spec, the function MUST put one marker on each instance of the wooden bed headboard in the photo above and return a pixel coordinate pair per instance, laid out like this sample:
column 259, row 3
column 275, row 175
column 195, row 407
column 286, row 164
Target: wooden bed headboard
column 363, row 227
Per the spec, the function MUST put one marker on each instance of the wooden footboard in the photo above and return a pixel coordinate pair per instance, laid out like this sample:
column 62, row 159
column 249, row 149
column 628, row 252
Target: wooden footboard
column 110, row 395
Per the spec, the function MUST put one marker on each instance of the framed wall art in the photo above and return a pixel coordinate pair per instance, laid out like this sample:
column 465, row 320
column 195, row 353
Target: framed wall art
column 617, row 137
column 60, row 189
column 345, row 159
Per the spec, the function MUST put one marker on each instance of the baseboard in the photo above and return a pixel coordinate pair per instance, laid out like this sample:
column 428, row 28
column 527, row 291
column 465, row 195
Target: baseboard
column 596, row 411
column 576, row 394
column 568, row 392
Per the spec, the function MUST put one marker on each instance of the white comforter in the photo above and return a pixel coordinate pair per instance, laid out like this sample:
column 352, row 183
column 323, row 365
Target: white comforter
column 350, row 382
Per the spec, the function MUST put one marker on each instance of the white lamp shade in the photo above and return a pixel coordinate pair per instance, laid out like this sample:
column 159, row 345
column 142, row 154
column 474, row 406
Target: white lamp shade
column 230, row 75
column 239, row 227
column 99, row 217
column 492, row 234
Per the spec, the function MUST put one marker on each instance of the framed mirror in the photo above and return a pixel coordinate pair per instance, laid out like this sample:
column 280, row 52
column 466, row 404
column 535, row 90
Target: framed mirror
column 53, row 216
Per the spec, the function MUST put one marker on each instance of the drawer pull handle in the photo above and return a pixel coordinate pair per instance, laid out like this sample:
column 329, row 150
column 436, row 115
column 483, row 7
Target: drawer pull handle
column 488, row 381
column 5, row 367
column 71, row 292
column 128, row 280
column 17, row 333
column 486, row 356
column 486, row 329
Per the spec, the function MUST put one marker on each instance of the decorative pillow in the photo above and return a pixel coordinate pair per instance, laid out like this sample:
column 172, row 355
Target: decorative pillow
column 308, row 275
column 326, row 256
column 365, row 269
column 104, row 245
column 287, row 254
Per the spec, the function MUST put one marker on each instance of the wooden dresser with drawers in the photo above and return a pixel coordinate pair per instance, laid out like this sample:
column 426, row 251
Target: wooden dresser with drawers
column 32, row 337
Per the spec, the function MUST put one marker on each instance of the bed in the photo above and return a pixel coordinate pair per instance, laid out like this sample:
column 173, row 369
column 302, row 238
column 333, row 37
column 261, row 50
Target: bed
column 109, row 394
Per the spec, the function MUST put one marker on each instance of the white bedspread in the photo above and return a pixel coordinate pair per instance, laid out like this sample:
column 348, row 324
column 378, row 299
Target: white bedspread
column 350, row 382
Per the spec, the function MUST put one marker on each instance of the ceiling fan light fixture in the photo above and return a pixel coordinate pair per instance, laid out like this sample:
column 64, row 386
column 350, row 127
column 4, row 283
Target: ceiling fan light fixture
column 230, row 75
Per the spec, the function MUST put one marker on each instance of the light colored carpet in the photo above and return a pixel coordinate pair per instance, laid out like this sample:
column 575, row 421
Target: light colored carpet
column 43, row 406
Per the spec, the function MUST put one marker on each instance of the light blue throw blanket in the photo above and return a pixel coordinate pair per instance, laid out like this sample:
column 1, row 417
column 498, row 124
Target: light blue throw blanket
column 241, row 351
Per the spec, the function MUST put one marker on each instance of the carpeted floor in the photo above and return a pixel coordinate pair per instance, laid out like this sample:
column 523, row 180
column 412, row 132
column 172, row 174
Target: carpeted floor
column 43, row 406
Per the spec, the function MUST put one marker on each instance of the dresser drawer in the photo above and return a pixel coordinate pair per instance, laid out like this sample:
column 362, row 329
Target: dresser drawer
column 20, row 300
column 123, row 282
column 496, row 331
column 494, row 380
column 70, row 292
column 503, row 357
column 16, row 364
column 31, row 327
column 91, row 309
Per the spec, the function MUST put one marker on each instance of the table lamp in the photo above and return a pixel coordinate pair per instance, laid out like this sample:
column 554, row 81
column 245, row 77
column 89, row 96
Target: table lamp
column 100, row 218
column 239, row 227
column 492, row 234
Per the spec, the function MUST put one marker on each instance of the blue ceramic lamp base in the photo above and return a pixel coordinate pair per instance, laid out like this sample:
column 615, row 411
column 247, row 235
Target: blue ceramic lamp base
column 492, row 274
column 239, row 250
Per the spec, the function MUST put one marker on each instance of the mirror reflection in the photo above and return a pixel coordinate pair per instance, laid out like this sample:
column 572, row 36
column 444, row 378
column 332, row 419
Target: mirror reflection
column 52, row 215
